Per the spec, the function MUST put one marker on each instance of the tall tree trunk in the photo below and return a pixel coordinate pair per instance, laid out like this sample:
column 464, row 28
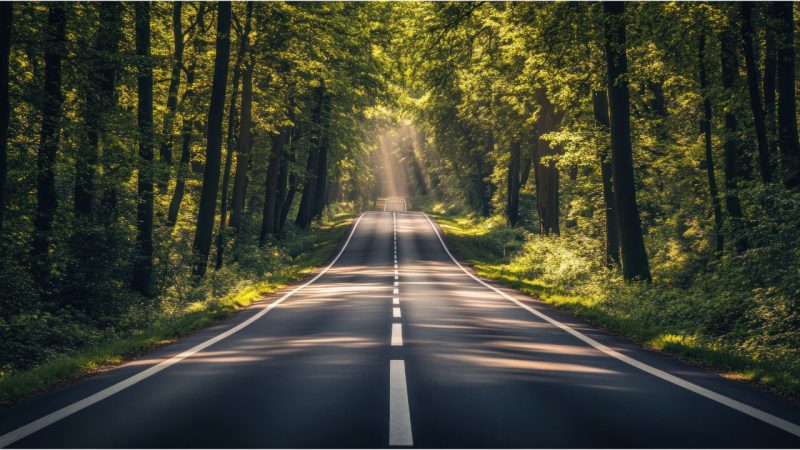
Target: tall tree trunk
column 172, row 97
column 548, row 177
column 143, row 268
column 706, row 126
column 306, row 209
column 322, row 162
column 98, row 103
column 188, row 125
column 600, row 104
column 733, row 159
column 208, row 195
column 242, row 150
column 753, row 82
column 634, row 256
column 270, row 190
column 52, row 116
column 512, row 200
column 770, row 78
column 6, row 18
column 525, row 169
column 233, row 127
column 787, row 107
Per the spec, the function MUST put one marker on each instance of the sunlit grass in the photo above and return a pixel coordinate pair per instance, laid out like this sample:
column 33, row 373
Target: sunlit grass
column 630, row 315
column 194, row 316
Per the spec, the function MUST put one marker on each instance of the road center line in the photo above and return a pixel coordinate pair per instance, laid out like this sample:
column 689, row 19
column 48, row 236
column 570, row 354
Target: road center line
column 32, row 427
column 395, row 301
column 397, row 335
column 744, row 408
column 399, row 413
column 396, row 312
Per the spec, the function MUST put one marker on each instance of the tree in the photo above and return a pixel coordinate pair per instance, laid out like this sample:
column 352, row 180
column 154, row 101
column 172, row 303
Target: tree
column 6, row 17
column 49, row 139
column 545, row 171
column 143, row 267
column 600, row 109
column 634, row 257
column 709, row 154
column 512, row 202
column 243, row 147
column 787, row 102
column 98, row 103
column 165, row 149
column 753, row 81
column 268, row 222
column 208, row 195
column 306, row 209
column 734, row 159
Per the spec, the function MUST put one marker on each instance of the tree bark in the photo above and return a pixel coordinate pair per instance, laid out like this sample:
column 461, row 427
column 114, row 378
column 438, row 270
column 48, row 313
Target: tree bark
column 98, row 103
column 187, row 126
column 306, row 209
column 512, row 200
column 787, row 107
column 706, row 127
column 634, row 257
column 600, row 104
column 270, row 190
column 6, row 20
column 172, row 97
column 49, row 140
column 547, row 177
column 321, row 184
column 242, row 150
column 208, row 195
column 734, row 166
column 753, row 84
column 770, row 78
column 143, row 267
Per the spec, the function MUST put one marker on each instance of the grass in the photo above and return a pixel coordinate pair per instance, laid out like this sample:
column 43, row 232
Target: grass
column 494, row 252
column 194, row 316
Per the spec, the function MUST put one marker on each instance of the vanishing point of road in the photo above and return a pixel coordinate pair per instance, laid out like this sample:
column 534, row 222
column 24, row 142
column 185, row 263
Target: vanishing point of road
column 395, row 344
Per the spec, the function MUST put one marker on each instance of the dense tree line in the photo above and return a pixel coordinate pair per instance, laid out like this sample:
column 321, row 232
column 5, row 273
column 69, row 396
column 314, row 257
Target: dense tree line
column 144, row 144
column 645, row 125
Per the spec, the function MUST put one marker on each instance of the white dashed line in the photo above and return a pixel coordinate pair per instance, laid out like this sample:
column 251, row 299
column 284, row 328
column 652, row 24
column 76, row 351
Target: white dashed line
column 399, row 413
column 396, row 312
column 397, row 335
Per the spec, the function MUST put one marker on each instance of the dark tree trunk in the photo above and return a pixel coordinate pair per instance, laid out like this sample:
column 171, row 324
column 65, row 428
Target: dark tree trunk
column 187, row 127
column 484, row 189
column 6, row 17
column 270, row 190
column 512, row 200
column 634, row 256
column 242, row 150
column 143, row 268
column 233, row 128
column 208, row 195
column 547, row 177
column 733, row 160
column 706, row 127
column 306, row 209
column 172, row 97
column 753, row 82
column 600, row 103
column 770, row 78
column 282, row 189
column 49, row 141
column 98, row 103
column 787, row 108
column 322, row 168
column 289, row 184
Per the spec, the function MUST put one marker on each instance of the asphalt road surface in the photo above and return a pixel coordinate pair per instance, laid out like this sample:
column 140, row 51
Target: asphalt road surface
column 395, row 344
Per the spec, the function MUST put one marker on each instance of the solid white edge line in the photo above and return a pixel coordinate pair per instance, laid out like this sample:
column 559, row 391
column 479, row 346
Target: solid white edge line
column 32, row 427
column 399, row 413
column 756, row 413
column 397, row 335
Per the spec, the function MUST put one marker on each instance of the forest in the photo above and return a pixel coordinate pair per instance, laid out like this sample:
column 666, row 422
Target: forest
column 162, row 164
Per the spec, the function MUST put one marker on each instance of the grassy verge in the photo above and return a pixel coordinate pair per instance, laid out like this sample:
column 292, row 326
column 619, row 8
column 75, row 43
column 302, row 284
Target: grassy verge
column 313, row 248
column 659, row 317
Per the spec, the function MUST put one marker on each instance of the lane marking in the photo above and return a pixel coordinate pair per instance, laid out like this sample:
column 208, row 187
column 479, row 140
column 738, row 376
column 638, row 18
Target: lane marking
column 395, row 301
column 395, row 265
column 396, row 276
column 397, row 283
column 396, row 312
column 32, row 427
column 395, row 292
column 756, row 413
column 399, row 413
column 397, row 335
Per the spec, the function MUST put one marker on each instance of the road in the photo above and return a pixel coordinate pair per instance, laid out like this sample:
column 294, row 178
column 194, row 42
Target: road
column 395, row 344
